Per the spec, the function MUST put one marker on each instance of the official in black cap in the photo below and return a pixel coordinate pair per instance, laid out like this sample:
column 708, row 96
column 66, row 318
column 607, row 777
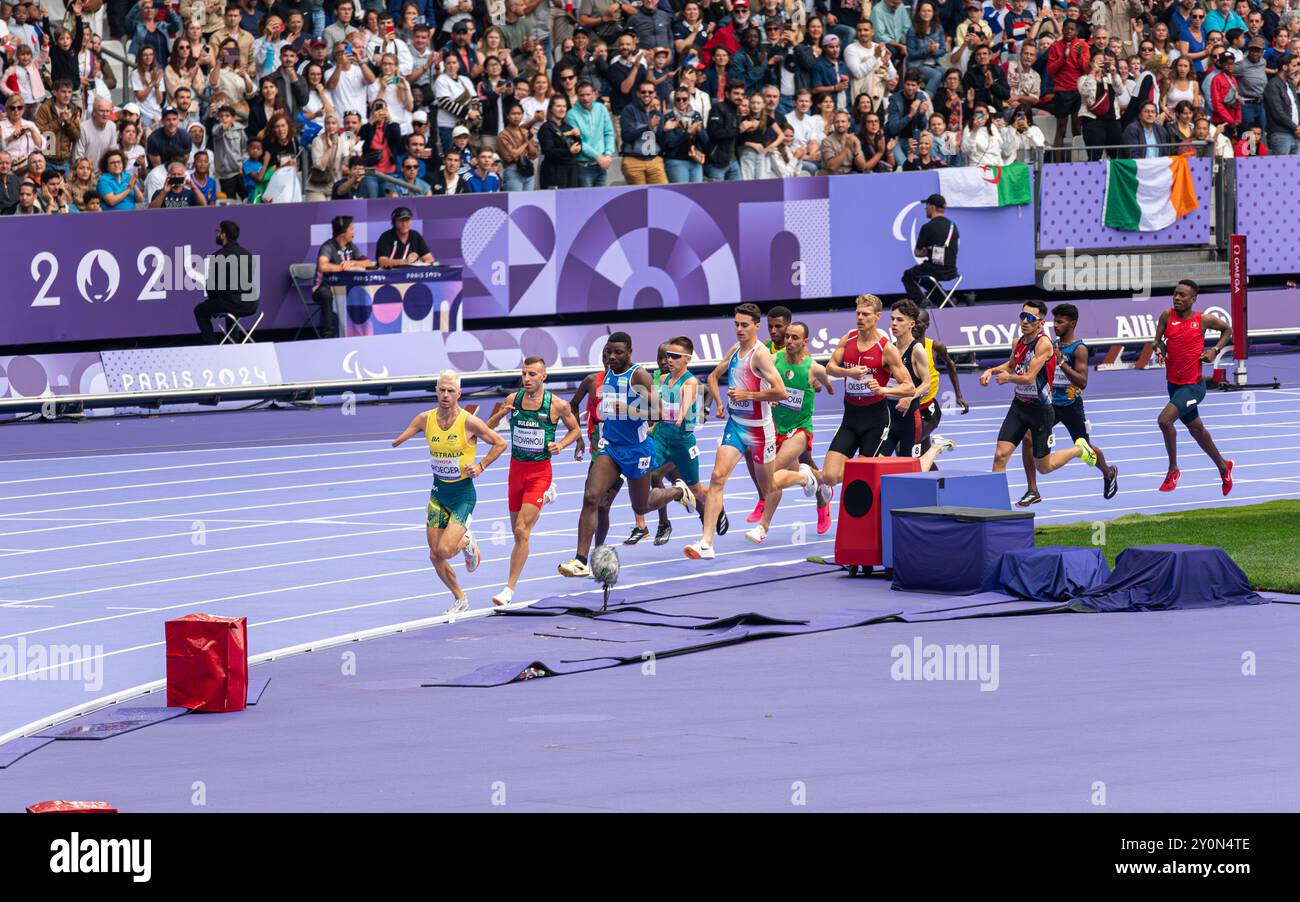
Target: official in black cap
column 936, row 248
column 402, row 245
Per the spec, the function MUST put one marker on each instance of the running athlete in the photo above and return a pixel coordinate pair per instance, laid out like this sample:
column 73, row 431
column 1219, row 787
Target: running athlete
column 1030, row 370
column 682, row 404
column 452, row 434
column 639, row 528
column 904, row 437
column 931, row 412
column 1068, row 384
column 793, row 420
column 1180, row 345
column 866, row 359
column 534, row 413
column 778, row 322
column 753, row 384
column 627, row 404
column 589, row 391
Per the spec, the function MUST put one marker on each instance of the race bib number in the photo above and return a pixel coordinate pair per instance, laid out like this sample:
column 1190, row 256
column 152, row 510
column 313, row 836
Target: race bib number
column 916, row 450
column 858, row 388
column 795, row 401
column 529, row 439
column 445, row 467
column 1051, row 439
column 643, row 463
column 693, row 453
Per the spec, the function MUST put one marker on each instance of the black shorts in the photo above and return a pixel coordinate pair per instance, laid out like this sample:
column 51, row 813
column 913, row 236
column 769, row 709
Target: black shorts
column 904, row 437
column 863, row 429
column 1072, row 417
column 931, row 414
column 1035, row 419
column 1187, row 399
column 1066, row 103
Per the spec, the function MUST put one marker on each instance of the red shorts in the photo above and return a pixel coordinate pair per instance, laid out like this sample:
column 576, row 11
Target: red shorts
column 780, row 438
column 528, row 482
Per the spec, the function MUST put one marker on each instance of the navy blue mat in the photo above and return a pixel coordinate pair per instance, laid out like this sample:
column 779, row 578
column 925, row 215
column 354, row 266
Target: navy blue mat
column 111, row 722
column 1052, row 573
column 1170, row 577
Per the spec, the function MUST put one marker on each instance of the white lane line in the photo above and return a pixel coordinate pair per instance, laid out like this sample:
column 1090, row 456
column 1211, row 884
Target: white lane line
column 125, row 608
column 1230, row 501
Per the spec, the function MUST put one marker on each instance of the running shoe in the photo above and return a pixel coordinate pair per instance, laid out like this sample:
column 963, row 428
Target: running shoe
column 460, row 605
column 1086, row 453
column 664, row 534
column 723, row 524
column 809, row 480
column 827, row 492
column 1111, row 486
column 757, row 534
column 574, row 567
column 823, row 519
column 943, row 444
column 1171, row 480
column 551, row 493
column 505, row 596
column 1028, row 498
column 638, row 533
column 699, row 552
column 756, row 515
column 472, row 555
column 688, row 497
column 1227, row 478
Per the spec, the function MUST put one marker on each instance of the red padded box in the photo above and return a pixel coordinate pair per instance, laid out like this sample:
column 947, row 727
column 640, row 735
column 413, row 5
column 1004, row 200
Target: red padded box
column 207, row 663
column 858, row 538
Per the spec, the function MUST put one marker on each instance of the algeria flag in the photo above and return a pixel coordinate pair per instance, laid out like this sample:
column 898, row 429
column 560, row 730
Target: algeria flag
column 1148, row 195
column 985, row 186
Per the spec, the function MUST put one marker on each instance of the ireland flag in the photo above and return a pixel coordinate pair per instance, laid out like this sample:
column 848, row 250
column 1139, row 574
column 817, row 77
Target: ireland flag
column 985, row 186
column 1148, row 195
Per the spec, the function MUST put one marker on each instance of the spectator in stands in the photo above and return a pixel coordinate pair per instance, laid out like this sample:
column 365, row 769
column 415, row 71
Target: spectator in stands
column 1067, row 61
column 1280, row 108
column 808, row 132
column 878, row 148
column 147, row 83
column 1146, row 135
column 59, row 121
column 21, row 137
column 595, row 130
column 169, row 139
column 927, row 45
column 28, row 202
column 183, row 69
column 402, row 245
column 448, row 179
column 229, row 149
column 519, row 152
column 723, row 130
column 626, row 72
column 456, row 99
column 9, row 183
column 907, row 115
column 55, row 197
column 350, row 186
column 654, row 26
column 482, row 178
column 920, row 154
column 81, row 180
column 201, row 179
column 1225, row 97
column 23, row 78
column 98, row 133
column 783, row 162
column 1024, row 84
column 831, row 75
column 1099, row 97
column 985, row 82
column 683, row 135
column 177, row 190
column 841, row 150
column 643, row 135
column 981, row 141
column 1183, row 124
column 936, row 248
column 561, row 145
column 1024, row 140
column 118, row 188
column 892, row 20
column 1251, row 80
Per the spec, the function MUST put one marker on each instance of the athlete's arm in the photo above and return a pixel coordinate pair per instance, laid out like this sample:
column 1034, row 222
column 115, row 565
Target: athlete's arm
column 561, row 411
column 575, row 403
column 500, row 413
column 416, row 427
column 1159, row 341
column 894, row 361
column 998, row 370
column 835, row 366
column 716, row 375
column 921, row 364
column 690, row 392
column 941, row 353
column 1209, row 323
column 1076, row 370
column 766, row 369
column 477, row 428
column 1042, row 354
column 820, row 377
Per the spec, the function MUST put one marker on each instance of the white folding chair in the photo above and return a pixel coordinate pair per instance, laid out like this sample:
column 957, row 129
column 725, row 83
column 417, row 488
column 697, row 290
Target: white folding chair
column 945, row 293
column 304, row 275
column 234, row 329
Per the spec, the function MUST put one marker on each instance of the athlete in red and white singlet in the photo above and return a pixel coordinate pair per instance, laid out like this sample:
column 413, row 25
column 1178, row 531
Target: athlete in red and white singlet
column 1180, row 346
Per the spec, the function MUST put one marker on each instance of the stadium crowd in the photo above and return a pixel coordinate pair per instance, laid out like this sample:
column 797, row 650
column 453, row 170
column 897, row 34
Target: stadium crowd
column 282, row 100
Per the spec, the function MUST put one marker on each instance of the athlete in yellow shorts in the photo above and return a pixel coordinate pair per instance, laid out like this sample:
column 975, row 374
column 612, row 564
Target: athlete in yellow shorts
column 452, row 435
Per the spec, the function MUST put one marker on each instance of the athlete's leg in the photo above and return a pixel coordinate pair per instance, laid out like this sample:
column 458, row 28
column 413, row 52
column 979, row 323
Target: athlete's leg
column 1002, row 454
column 602, row 475
column 522, row 522
column 1056, row 459
column 645, row 498
column 1027, row 457
column 785, row 473
column 444, row 544
column 832, row 471
column 1202, row 435
column 725, row 461
column 1166, row 419
column 602, row 512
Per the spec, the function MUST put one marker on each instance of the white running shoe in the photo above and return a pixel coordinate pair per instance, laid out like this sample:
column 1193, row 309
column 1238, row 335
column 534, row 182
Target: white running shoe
column 688, row 497
column 505, row 596
column 757, row 534
column 809, row 480
column 551, row 493
column 699, row 552
column 574, row 567
column 473, row 557
column 827, row 492
column 460, row 605
column 943, row 444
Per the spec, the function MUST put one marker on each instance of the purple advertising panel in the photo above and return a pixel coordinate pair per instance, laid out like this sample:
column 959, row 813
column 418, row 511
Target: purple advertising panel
column 40, row 375
column 1071, row 204
column 1263, row 186
column 387, row 301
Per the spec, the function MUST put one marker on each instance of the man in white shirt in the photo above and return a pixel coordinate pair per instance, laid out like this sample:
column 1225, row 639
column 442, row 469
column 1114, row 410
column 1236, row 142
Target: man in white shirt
column 348, row 80
column 864, row 57
column 808, row 131
column 98, row 133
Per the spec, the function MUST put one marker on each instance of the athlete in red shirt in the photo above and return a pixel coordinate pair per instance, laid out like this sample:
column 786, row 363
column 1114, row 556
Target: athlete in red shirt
column 1180, row 346
column 1029, row 371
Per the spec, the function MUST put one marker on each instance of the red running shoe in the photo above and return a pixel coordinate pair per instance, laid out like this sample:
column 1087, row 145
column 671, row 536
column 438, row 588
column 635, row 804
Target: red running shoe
column 1227, row 478
column 823, row 519
column 1171, row 481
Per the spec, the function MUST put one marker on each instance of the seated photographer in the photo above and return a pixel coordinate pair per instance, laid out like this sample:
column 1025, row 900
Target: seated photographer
column 402, row 245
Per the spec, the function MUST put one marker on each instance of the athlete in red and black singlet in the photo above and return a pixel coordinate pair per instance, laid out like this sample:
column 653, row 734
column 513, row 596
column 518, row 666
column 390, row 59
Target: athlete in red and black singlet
column 1180, row 340
column 867, row 414
column 904, row 439
column 1031, row 405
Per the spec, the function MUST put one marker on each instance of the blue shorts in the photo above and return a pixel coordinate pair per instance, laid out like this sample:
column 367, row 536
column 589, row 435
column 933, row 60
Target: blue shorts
column 1187, row 398
column 633, row 462
column 757, row 441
